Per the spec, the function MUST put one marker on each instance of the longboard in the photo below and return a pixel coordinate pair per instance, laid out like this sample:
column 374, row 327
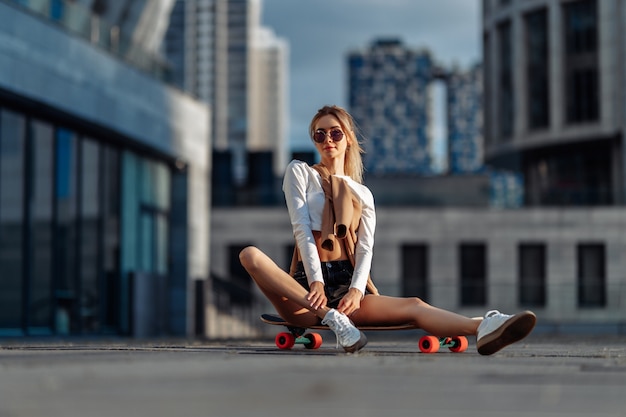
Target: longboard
column 311, row 340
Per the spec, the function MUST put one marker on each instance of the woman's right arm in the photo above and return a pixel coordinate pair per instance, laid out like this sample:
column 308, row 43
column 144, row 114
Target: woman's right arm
column 294, row 187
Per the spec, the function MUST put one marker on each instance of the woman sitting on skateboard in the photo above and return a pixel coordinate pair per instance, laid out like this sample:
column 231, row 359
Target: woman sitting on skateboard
column 333, row 219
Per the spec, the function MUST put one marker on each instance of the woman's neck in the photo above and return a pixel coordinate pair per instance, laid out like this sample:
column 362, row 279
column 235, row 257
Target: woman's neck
column 334, row 166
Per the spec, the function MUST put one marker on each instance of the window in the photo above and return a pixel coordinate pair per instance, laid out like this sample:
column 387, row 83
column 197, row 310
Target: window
column 111, row 192
column 415, row 271
column 532, row 274
column 487, row 86
column 66, row 232
column 591, row 275
column 581, row 61
column 154, row 190
column 146, row 193
column 473, row 273
column 89, row 222
column 40, row 303
column 12, row 144
column 576, row 174
column 537, row 69
column 505, row 81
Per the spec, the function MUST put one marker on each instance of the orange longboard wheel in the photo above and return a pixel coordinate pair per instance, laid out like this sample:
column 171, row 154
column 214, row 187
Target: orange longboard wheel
column 429, row 344
column 315, row 340
column 460, row 344
column 285, row 340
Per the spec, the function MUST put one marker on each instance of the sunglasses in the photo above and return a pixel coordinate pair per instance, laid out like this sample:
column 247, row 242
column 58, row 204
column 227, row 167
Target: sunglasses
column 320, row 136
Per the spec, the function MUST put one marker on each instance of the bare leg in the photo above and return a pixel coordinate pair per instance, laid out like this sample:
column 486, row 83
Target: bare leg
column 383, row 310
column 287, row 296
column 290, row 300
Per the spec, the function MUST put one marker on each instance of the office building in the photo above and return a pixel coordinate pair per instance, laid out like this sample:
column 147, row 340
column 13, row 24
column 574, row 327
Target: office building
column 554, row 85
column 222, row 55
column 464, row 120
column 268, row 105
column 389, row 99
column 104, row 216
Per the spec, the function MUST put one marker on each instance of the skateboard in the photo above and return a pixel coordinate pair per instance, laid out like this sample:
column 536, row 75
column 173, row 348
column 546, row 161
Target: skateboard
column 297, row 335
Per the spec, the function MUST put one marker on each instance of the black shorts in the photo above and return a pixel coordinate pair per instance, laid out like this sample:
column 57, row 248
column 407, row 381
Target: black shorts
column 337, row 278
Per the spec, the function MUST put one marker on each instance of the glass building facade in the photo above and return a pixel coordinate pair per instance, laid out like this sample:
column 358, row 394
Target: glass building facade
column 78, row 213
column 100, row 233
column 552, row 72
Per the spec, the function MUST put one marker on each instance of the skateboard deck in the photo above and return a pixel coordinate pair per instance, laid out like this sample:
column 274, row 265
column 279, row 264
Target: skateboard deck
column 311, row 340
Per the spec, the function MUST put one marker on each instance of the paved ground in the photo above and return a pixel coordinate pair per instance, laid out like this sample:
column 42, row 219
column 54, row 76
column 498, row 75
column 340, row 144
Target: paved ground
column 542, row 376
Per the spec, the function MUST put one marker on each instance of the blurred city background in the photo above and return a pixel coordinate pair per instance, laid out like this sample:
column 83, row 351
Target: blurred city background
column 142, row 146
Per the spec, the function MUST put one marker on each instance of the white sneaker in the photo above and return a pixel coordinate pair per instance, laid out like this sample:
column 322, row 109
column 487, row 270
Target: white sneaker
column 498, row 330
column 348, row 336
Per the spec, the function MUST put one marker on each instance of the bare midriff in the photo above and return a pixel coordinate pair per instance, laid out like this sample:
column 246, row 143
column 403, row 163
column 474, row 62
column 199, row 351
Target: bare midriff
column 337, row 254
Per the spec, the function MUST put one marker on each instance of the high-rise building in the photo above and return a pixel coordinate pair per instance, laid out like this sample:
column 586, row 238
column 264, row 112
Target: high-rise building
column 239, row 68
column 464, row 120
column 267, row 105
column 389, row 98
column 207, row 43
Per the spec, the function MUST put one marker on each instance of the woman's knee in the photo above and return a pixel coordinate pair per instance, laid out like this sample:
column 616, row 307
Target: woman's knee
column 416, row 301
column 249, row 256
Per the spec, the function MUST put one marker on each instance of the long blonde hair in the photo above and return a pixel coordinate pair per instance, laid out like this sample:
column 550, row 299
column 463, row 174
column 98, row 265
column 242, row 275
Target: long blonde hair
column 353, row 163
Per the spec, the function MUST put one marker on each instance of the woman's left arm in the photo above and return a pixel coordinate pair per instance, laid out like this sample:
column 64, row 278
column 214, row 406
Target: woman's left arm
column 363, row 252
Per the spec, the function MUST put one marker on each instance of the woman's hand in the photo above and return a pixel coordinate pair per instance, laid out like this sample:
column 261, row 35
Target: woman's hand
column 350, row 302
column 317, row 296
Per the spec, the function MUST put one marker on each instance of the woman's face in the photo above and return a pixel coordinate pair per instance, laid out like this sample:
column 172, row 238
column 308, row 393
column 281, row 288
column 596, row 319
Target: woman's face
column 329, row 147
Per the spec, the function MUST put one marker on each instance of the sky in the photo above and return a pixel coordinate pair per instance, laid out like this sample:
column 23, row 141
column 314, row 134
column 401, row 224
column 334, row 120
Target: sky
column 320, row 34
